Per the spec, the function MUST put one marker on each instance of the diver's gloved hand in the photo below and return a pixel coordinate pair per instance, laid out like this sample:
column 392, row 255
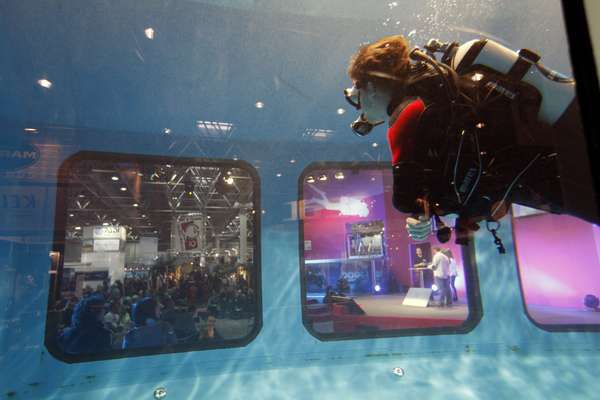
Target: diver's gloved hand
column 418, row 228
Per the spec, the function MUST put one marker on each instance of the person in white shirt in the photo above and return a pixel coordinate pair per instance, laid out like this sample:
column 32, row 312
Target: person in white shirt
column 453, row 273
column 441, row 272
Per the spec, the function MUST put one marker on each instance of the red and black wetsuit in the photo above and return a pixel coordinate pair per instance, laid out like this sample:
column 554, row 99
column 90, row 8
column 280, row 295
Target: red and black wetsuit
column 413, row 127
column 420, row 138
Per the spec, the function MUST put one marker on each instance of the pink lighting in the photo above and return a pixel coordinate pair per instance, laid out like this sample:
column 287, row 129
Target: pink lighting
column 558, row 259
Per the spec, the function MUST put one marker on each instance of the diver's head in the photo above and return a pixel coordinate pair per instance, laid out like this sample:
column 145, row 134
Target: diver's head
column 379, row 72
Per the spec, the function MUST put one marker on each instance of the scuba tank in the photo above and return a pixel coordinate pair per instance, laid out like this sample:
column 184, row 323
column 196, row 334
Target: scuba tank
column 557, row 91
column 486, row 157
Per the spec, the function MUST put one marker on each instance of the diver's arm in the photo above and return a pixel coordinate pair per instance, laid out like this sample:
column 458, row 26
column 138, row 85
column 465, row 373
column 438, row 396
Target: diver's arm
column 405, row 125
column 402, row 136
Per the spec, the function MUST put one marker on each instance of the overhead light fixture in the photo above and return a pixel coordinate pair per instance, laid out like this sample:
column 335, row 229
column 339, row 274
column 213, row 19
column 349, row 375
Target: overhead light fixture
column 339, row 175
column 477, row 77
column 375, row 144
column 341, row 111
column 149, row 32
column 260, row 104
column 81, row 195
column 278, row 174
column 77, row 228
column 317, row 134
column 45, row 83
column 135, row 205
column 105, row 224
column 310, row 179
column 323, row 178
column 214, row 129
column 115, row 178
column 292, row 161
column 229, row 180
column 71, row 215
column 123, row 188
column 30, row 130
column 167, row 131
column 143, row 215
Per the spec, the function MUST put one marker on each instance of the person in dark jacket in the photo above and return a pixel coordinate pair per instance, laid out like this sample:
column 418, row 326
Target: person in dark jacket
column 87, row 334
column 149, row 330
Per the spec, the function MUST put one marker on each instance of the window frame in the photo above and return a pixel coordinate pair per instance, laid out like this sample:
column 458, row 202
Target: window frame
column 58, row 245
column 472, row 287
column 581, row 57
column 544, row 327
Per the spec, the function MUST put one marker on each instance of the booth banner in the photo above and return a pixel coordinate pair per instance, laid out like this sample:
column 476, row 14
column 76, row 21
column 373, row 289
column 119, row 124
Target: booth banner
column 109, row 232
column 107, row 245
column 191, row 235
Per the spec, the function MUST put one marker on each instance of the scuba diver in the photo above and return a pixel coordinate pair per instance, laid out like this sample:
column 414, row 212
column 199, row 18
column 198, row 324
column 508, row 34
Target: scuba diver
column 472, row 132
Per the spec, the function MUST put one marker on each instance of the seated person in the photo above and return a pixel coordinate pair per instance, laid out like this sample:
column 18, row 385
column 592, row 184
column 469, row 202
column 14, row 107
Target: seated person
column 113, row 316
column 329, row 293
column 149, row 330
column 184, row 324
column 210, row 333
column 87, row 334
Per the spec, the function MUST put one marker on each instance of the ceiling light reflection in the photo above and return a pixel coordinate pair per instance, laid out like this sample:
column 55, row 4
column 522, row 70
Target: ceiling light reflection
column 45, row 83
column 149, row 32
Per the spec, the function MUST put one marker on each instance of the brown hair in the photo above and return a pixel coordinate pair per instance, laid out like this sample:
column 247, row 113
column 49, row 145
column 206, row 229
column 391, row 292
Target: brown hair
column 383, row 63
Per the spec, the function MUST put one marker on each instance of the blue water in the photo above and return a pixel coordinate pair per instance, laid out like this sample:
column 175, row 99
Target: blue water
column 115, row 90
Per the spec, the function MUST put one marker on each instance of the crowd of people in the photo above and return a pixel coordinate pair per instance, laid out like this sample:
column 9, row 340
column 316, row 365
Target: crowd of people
column 162, row 309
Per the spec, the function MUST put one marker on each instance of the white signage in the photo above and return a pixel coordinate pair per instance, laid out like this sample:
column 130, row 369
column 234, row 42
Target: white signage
column 109, row 232
column 107, row 245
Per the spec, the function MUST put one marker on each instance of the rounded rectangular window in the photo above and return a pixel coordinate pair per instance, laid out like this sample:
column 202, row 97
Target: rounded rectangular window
column 558, row 257
column 153, row 255
column 363, row 275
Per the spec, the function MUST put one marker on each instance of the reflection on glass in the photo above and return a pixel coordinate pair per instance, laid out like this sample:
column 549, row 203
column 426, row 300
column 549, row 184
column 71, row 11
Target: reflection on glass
column 362, row 271
column 168, row 262
column 559, row 266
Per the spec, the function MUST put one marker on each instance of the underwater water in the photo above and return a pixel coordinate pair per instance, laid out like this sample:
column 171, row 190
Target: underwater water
column 258, row 81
